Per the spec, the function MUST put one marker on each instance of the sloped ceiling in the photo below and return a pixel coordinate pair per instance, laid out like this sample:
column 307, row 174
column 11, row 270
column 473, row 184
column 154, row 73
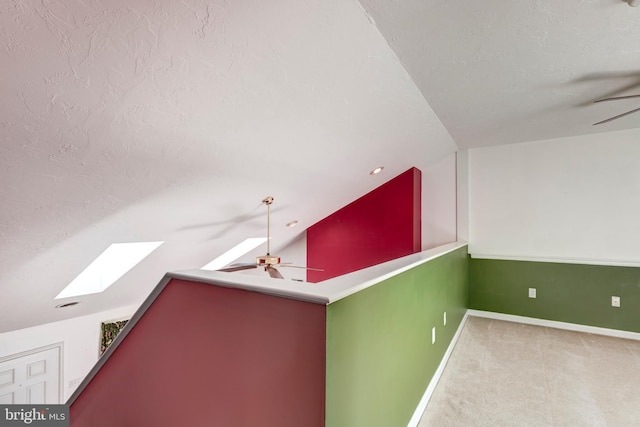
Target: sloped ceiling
column 500, row 72
column 150, row 120
column 127, row 121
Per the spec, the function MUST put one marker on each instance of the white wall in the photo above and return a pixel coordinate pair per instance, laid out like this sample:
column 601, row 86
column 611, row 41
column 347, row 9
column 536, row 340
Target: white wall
column 570, row 198
column 462, row 182
column 439, row 203
column 81, row 338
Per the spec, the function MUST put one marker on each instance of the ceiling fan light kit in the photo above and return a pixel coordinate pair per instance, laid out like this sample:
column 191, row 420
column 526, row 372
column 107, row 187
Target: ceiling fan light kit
column 266, row 260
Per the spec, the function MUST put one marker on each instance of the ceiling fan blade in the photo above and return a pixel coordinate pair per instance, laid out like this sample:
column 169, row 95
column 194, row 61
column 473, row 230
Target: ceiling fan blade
column 238, row 267
column 617, row 117
column 275, row 274
column 614, row 98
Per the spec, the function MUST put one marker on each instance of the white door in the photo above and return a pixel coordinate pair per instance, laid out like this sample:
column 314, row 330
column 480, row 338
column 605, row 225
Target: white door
column 32, row 377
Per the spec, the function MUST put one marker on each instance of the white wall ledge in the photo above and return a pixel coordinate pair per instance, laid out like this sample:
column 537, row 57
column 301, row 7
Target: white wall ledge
column 325, row 292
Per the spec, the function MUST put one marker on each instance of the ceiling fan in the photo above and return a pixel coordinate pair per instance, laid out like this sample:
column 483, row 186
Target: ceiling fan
column 615, row 98
column 268, row 262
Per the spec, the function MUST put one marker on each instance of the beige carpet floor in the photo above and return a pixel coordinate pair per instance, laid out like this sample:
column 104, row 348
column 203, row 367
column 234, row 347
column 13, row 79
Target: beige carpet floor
column 510, row 374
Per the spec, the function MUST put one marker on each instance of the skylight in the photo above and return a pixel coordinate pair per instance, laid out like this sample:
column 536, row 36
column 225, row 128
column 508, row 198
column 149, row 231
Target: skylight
column 111, row 265
column 234, row 253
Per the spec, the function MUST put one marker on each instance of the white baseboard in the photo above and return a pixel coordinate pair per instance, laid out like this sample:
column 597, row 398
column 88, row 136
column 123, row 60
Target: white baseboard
column 417, row 414
column 554, row 324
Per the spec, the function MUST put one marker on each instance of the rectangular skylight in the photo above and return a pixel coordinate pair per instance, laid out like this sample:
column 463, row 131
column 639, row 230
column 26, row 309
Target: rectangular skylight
column 111, row 265
column 234, row 253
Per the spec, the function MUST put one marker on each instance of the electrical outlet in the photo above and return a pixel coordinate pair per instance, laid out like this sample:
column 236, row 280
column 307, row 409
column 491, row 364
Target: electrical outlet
column 532, row 292
column 615, row 301
column 444, row 322
column 433, row 335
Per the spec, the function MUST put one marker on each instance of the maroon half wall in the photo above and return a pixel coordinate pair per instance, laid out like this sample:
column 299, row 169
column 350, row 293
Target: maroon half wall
column 382, row 225
column 204, row 355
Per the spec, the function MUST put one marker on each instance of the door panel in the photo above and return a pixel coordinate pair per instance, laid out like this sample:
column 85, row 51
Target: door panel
column 32, row 378
column 36, row 393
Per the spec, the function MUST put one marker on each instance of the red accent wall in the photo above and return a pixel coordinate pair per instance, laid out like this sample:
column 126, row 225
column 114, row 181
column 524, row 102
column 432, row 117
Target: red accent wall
column 204, row 355
column 382, row 225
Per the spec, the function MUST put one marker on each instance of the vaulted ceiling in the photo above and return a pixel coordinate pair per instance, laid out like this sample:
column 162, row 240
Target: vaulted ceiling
column 157, row 120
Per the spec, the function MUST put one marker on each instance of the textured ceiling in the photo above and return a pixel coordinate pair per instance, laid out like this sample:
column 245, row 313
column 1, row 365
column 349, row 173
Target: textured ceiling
column 147, row 120
column 499, row 72
column 159, row 120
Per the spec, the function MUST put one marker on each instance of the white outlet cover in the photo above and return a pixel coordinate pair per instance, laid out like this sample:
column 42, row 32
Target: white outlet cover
column 433, row 335
column 615, row 301
column 532, row 292
column 445, row 319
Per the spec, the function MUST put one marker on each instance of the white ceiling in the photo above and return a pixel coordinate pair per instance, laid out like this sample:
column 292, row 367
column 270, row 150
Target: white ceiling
column 499, row 72
column 158, row 120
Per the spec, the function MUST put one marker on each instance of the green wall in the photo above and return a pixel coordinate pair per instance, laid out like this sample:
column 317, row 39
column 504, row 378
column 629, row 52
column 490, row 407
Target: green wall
column 379, row 353
column 573, row 293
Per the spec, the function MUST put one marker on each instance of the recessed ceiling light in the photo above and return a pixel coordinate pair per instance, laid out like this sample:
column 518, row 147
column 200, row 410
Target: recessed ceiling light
column 234, row 253
column 376, row 170
column 111, row 265
column 68, row 304
column 292, row 224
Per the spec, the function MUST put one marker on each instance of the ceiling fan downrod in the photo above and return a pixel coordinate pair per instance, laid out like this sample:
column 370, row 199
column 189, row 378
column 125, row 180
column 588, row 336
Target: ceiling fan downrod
column 267, row 201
